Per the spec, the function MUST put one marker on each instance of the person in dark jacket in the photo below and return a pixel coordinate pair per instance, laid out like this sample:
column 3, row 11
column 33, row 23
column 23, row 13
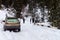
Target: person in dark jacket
column 33, row 20
column 30, row 20
column 23, row 20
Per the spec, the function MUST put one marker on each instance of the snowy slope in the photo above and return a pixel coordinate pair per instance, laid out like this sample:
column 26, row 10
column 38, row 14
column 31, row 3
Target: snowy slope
column 29, row 31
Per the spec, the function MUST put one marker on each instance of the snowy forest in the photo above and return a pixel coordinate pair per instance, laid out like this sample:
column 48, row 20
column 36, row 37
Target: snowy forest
column 52, row 7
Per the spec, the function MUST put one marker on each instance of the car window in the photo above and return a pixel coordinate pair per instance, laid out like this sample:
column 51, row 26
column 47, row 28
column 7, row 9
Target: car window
column 12, row 20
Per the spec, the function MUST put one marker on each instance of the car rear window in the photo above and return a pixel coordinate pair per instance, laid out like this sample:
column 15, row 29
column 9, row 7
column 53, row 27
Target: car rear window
column 12, row 20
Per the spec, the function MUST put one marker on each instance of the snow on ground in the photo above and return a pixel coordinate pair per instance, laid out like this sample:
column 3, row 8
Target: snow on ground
column 29, row 31
column 2, row 14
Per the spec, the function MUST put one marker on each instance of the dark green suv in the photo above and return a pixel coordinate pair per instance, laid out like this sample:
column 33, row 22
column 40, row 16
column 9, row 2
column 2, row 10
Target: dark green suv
column 12, row 23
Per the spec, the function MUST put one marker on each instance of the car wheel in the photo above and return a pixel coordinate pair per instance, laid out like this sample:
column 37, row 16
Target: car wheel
column 18, row 30
column 4, row 29
column 10, row 30
column 58, row 27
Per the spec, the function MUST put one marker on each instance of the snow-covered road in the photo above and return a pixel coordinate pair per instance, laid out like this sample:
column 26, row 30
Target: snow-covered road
column 29, row 31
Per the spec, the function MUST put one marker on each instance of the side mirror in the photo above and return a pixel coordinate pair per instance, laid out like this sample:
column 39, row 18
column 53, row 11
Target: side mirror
column 3, row 21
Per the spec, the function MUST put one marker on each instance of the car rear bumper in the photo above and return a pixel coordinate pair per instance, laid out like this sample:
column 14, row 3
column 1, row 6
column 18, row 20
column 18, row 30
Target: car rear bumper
column 11, row 27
